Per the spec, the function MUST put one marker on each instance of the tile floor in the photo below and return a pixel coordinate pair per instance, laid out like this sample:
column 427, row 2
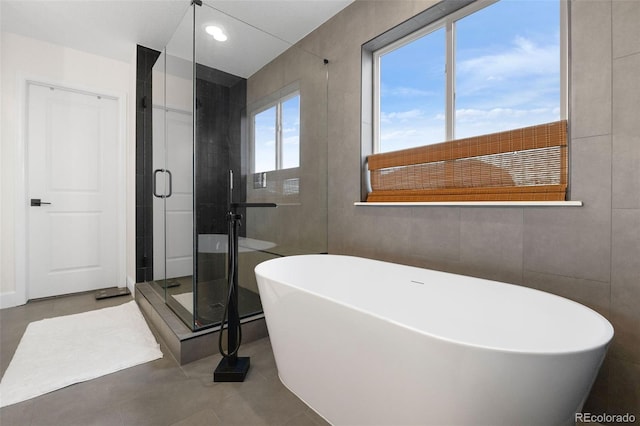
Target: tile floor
column 156, row 393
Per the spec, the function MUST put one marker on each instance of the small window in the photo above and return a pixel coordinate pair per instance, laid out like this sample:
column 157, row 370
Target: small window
column 276, row 134
column 469, row 107
column 480, row 70
column 411, row 93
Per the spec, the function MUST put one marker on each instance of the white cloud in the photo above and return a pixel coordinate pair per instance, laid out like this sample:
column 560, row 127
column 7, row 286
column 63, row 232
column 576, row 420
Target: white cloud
column 525, row 57
column 523, row 64
column 470, row 122
column 291, row 140
column 406, row 135
column 411, row 114
column 406, row 92
column 265, row 142
column 399, row 134
column 473, row 122
column 471, row 115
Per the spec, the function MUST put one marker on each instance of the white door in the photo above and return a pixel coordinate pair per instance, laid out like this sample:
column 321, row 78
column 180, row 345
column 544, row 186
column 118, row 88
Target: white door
column 173, row 214
column 73, row 164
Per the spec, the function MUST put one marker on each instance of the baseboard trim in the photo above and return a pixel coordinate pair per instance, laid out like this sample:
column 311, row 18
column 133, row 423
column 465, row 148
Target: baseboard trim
column 10, row 299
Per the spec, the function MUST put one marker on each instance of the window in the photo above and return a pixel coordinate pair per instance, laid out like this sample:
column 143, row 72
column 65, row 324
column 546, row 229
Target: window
column 480, row 70
column 276, row 134
column 471, row 106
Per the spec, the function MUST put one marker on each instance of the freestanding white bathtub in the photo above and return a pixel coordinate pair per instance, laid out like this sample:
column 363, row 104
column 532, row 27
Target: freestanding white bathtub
column 364, row 342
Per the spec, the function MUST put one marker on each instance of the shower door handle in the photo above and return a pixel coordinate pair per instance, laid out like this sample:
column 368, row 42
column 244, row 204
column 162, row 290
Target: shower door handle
column 155, row 183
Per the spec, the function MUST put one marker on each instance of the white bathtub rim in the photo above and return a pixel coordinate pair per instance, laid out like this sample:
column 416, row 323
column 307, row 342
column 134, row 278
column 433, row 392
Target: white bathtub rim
column 601, row 346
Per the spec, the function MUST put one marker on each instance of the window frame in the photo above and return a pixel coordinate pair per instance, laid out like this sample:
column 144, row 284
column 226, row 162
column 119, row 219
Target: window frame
column 275, row 99
column 447, row 22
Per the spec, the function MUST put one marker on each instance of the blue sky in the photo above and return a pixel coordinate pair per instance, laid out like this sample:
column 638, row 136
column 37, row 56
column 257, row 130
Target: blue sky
column 507, row 76
column 265, row 140
column 265, row 136
column 291, row 133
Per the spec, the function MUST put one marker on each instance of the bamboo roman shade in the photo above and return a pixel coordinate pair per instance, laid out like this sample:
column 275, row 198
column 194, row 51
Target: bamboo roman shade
column 528, row 164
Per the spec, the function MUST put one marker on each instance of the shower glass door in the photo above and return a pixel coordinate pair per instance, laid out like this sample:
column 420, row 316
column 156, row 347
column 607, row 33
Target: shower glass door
column 173, row 173
column 212, row 89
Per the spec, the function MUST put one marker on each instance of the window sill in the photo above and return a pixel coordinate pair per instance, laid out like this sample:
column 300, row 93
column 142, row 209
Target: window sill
column 474, row 204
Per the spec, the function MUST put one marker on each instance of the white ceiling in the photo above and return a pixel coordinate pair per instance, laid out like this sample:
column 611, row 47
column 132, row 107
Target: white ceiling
column 112, row 28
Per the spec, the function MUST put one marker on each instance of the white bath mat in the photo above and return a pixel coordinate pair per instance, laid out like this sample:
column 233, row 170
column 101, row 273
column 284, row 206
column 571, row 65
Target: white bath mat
column 58, row 352
column 186, row 300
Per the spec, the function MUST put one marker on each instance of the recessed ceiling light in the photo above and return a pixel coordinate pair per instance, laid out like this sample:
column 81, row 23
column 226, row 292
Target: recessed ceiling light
column 216, row 32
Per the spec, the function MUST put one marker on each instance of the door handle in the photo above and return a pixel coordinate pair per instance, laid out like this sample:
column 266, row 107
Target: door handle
column 155, row 183
column 36, row 202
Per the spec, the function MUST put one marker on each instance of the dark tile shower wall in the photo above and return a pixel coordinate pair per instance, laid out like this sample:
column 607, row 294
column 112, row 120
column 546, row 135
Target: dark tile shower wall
column 220, row 111
column 145, row 58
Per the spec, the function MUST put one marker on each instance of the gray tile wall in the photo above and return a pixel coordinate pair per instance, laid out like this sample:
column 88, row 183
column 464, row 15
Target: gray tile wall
column 590, row 254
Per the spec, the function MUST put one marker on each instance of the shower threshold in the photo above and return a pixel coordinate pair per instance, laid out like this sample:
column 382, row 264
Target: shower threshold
column 185, row 344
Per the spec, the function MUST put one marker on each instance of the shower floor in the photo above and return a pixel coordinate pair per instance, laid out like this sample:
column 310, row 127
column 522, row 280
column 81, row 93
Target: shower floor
column 212, row 296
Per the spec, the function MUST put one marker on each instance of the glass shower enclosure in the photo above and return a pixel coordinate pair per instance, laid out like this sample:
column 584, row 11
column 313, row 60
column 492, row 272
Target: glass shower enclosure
column 240, row 120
